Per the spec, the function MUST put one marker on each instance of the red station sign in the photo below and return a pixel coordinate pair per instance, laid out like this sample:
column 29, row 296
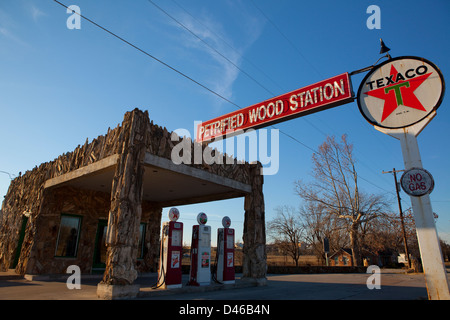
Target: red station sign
column 323, row 95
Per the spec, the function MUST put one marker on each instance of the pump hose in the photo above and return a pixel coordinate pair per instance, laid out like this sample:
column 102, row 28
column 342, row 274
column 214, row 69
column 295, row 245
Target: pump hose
column 190, row 282
column 214, row 267
column 162, row 273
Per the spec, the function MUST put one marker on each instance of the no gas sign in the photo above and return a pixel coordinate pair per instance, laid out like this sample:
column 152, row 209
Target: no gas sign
column 417, row 182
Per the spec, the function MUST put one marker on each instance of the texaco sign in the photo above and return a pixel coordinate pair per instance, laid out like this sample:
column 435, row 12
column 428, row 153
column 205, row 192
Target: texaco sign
column 400, row 92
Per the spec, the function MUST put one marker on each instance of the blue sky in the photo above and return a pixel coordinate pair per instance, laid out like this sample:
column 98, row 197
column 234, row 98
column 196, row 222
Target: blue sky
column 60, row 86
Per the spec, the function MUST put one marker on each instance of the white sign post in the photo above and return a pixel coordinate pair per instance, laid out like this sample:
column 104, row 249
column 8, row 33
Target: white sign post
column 430, row 249
column 399, row 98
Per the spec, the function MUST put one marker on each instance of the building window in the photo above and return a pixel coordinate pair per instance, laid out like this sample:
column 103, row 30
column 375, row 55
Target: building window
column 345, row 259
column 68, row 236
column 141, row 246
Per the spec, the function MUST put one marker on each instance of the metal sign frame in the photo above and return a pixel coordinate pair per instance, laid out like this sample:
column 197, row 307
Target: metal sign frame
column 387, row 82
column 316, row 97
column 430, row 249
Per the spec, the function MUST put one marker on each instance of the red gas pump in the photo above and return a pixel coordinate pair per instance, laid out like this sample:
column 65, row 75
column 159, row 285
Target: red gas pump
column 171, row 252
column 225, row 253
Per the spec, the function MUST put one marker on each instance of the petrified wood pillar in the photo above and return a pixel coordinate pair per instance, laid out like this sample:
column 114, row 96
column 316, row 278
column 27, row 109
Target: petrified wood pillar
column 125, row 213
column 254, row 262
column 151, row 214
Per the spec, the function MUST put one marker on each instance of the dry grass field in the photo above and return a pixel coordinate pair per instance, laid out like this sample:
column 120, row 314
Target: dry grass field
column 306, row 260
column 272, row 259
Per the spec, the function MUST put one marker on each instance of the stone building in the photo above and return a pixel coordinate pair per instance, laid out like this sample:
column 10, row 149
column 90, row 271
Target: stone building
column 99, row 207
column 341, row 258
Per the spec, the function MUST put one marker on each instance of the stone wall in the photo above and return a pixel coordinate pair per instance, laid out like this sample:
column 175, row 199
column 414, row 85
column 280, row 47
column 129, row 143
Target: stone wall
column 124, row 207
column 90, row 205
column 151, row 215
column 126, row 202
column 255, row 256
column 26, row 193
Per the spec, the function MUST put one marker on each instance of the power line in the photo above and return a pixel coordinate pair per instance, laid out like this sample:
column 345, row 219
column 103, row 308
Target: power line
column 231, row 62
column 229, row 45
column 191, row 79
column 169, row 66
column 209, row 46
column 300, row 54
column 9, row 174
column 151, row 56
column 296, row 50
column 286, row 38
column 223, row 56
column 312, row 66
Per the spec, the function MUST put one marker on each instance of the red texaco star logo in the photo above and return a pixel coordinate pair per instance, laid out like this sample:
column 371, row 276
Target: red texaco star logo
column 399, row 91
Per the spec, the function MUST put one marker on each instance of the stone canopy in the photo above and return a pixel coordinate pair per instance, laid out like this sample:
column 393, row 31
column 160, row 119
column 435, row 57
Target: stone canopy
column 125, row 177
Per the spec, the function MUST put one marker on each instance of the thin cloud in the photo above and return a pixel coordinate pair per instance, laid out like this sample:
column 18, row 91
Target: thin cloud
column 35, row 12
column 9, row 29
column 9, row 35
column 222, row 72
column 226, row 56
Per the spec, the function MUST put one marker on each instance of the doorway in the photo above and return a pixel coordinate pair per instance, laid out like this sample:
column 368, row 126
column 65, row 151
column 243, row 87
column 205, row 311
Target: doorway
column 99, row 263
column 19, row 242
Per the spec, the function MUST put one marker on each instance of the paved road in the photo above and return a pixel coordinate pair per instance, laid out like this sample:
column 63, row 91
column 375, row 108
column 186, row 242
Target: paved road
column 323, row 287
column 394, row 286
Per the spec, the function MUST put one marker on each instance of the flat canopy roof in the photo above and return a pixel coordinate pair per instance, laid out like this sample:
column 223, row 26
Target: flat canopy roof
column 164, row 182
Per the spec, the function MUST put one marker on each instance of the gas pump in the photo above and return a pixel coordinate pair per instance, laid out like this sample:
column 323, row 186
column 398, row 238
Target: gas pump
column 225, row 253
column 200, row 273
column 169, row 273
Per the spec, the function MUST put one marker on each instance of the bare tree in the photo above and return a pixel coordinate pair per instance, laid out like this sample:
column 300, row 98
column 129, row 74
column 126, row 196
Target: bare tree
column 445, row 250
column 286, row 231
column 318, row 224
column 336, row 188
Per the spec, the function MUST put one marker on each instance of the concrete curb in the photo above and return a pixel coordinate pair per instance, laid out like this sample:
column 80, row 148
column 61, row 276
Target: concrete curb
column 241, row 283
